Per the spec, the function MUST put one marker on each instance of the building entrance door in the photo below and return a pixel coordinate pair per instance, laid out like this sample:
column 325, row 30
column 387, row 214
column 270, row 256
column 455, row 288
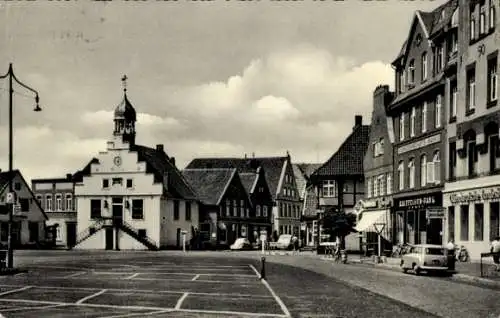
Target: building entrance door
column 434, row 231
column 70, row 233
column 117, row 210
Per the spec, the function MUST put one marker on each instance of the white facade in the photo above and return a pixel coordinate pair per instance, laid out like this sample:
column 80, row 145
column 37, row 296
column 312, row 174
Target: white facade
column 158, row 211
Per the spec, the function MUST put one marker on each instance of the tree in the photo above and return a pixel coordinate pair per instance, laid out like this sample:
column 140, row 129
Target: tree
column 338, row 224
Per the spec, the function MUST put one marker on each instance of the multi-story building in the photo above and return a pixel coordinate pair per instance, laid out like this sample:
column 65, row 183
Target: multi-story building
column 279, row 177
column 472, row 191
column 339, row 182
column 132, row 196
column 28, row 224
column 226, row 211
column 425, row 82
column 375, row 209
column 56, row 197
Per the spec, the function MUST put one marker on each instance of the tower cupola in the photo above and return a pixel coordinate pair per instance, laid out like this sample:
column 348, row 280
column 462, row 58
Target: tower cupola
column 125, row 117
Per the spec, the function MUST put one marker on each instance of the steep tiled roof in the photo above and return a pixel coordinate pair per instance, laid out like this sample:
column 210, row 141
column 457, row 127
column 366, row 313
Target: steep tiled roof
column 272, row 167
column 310, row 202
column 300, row 180
column 209, row 184
column 348, row 160
column 248, row 180
column 427, row 19
column 442, row 15
column 162, row 165
column 78, row 176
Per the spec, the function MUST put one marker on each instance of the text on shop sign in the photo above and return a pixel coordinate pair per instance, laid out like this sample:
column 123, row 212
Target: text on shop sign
column 417, row 201
column 493, row 194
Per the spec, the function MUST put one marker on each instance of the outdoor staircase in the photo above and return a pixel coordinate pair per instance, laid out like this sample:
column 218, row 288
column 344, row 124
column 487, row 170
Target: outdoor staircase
column 88, row 232
column 146, row 240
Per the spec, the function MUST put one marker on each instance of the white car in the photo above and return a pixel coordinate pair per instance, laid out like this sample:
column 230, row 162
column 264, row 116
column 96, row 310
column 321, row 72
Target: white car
column 425, row 257
column 241, row 244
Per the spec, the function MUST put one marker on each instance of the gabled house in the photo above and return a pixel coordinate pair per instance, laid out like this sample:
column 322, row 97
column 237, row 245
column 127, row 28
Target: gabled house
column 339, row 182
column 225, row 213
column 28, row 227
column 302, row 173
column 132, row 196
column 282, row 185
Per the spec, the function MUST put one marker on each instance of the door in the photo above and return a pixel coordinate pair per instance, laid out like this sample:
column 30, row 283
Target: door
column 70, row 233
column 117, row 210
column 178, row 238
column 434, row 231
column 109, row 238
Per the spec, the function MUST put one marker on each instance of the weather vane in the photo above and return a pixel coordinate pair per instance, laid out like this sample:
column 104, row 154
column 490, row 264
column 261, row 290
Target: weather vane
column 124, row 82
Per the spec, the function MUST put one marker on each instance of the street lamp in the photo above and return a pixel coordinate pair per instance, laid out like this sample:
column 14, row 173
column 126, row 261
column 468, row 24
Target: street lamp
column 11, row 76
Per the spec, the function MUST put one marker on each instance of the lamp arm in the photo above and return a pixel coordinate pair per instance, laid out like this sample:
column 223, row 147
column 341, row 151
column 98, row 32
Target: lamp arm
column 25, row 86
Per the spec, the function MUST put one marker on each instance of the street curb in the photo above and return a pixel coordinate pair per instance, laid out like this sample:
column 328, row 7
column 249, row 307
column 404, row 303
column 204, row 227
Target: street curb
column 455, row 276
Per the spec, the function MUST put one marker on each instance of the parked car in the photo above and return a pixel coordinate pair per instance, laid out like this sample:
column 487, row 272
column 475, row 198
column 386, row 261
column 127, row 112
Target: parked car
column 241, row 244
column 285, row 242
column 425, row 257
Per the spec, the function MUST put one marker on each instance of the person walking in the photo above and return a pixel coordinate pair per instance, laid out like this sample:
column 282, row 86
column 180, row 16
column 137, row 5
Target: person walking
column 451, row 255
column 495, row 249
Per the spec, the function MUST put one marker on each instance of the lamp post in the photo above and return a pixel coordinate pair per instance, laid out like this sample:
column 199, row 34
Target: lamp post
column 379, row 227
column 12, row 77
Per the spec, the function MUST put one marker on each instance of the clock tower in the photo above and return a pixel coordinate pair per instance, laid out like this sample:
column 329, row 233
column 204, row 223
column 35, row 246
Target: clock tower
column 125, row 118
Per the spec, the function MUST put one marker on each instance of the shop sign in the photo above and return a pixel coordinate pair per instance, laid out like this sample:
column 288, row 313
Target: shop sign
column 435, row 213
column 370, row 204
column 419, row 144
column 417, row 201
column 475, row 196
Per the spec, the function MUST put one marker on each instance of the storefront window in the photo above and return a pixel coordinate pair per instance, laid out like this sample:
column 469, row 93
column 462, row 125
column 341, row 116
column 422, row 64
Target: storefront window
column 464, row 222
column 494, row 220
column 478, row 222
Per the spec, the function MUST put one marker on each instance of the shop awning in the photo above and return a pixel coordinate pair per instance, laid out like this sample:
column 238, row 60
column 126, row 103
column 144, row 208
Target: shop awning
column 368, row 218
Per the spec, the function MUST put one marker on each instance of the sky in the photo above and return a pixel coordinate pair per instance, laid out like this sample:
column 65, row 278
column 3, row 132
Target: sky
column 207, row 78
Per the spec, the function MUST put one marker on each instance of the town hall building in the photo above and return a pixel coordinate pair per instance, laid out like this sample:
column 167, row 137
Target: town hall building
column 133, row 196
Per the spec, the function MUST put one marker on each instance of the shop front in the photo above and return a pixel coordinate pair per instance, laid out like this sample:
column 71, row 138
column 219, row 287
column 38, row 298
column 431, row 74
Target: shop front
column 374, row 217
column 472, row 218
column 418, row 219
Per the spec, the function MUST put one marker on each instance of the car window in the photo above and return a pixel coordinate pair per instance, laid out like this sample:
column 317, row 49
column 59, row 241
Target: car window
column 434, row 251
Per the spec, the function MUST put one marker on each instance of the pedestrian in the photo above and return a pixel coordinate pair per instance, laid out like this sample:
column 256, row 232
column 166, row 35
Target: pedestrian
column 495, row 249
column 451, row 254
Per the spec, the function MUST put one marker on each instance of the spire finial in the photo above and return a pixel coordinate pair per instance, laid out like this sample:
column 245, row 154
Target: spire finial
column 124, row 83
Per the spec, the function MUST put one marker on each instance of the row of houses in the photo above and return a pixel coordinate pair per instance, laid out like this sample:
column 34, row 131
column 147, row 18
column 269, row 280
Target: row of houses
column 135, row 197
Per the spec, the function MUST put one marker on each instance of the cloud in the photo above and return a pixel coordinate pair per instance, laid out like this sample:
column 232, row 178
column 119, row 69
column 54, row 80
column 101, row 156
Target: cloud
column 302, row 99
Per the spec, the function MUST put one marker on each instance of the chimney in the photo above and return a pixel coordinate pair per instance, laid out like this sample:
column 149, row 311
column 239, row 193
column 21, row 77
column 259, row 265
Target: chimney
column 358, row 121
column 69, row 176
column 159, row 147
column 172, row 160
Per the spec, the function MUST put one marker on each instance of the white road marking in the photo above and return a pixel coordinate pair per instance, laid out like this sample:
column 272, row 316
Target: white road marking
column 145, row 291
column 74, row 275
column 31, row 308
column 61, row 267
column 196, row 277
column 179, row 302
column 84, row 299
column 142, row 314
column 132, row 276
column 15, row 290
column 276, row 297
column 28, row 301
column 234, row 313
column 170, row 273
column 183, row 280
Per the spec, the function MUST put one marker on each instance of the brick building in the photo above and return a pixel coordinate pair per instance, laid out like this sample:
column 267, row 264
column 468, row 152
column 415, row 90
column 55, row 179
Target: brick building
column 425, row 77
column 378, row 172
column 472, row 191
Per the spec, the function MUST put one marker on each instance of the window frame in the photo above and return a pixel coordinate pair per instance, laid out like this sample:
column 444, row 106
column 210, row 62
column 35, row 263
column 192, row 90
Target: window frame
column 137, row 210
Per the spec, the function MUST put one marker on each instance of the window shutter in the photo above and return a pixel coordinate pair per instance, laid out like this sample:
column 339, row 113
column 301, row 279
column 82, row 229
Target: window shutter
column 437, row 172
column 430, row 172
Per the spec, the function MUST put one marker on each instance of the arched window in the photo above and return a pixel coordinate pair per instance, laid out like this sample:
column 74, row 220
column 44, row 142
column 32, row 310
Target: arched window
column 423, row 170
column 454, row 18
column 491, row 142
column 492, row 17
column 401, row 175
column 411, row 172
column 257, row 210
column 389, row 183
column 424, row 117
column 472, row 156
column 437, row 167
column 412, row 122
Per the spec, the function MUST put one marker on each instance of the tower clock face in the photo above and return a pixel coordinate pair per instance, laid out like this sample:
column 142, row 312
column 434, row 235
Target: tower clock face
column 117, row 161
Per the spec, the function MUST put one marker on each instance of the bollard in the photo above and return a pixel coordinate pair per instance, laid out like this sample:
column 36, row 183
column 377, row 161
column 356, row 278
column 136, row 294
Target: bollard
column 262, row 268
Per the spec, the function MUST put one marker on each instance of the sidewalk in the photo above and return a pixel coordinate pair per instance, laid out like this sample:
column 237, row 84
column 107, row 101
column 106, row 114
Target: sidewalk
column 464, row 272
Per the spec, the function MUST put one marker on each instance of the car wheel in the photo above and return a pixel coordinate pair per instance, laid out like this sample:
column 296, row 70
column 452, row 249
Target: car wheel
column 416, row 269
